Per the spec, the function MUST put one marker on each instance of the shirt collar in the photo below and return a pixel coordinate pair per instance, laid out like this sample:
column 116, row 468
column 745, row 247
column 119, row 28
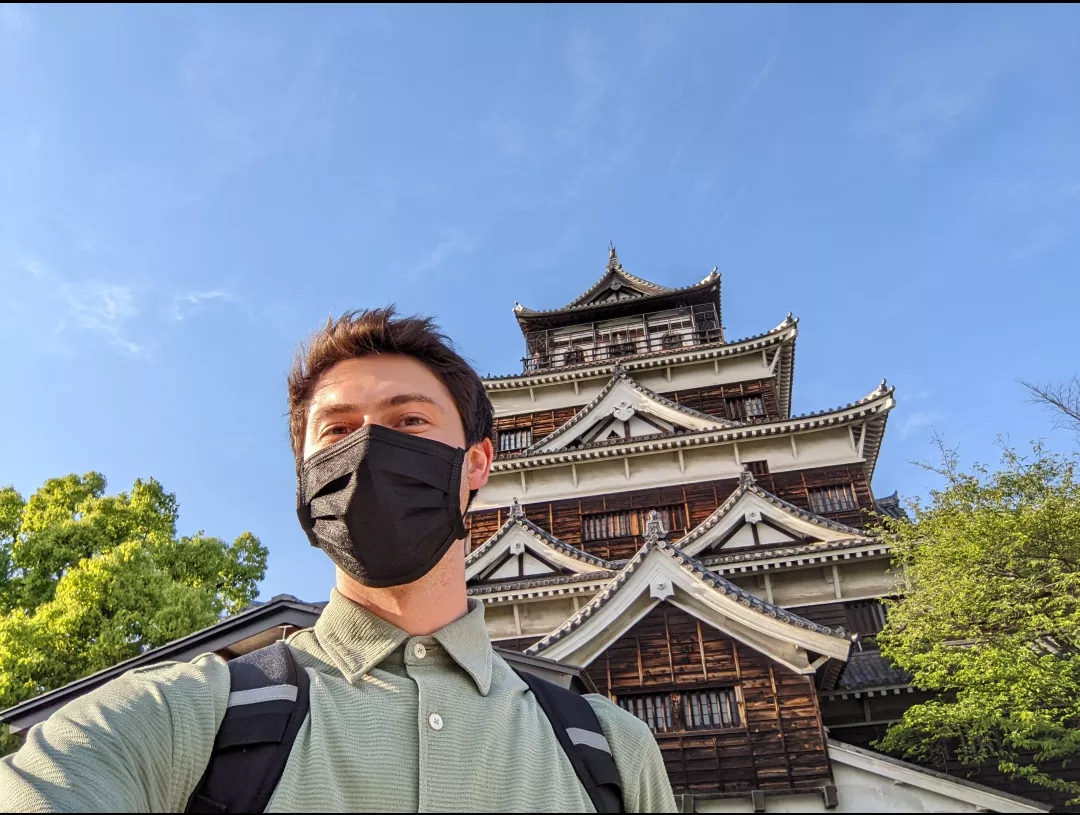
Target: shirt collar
column 357, row 640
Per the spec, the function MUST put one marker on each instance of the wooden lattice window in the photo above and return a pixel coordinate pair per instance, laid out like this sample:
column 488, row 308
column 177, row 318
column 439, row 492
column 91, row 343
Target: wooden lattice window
column 652, row 708
column 840, row 498
column 627, row 522
column 757, row 468
column 606, row 525
column 715, row 709
column 704, row 709
column 742, row 408
column 514, row 439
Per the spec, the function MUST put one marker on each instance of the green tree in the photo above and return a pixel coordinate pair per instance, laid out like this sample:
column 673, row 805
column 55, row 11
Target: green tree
column 989, row 616
column 88, row 580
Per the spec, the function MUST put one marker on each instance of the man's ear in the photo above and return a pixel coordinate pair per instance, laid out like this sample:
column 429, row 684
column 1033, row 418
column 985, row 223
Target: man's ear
column 479, row 458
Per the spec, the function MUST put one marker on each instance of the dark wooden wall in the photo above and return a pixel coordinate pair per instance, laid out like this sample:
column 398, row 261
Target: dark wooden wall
column 711, row 399
column 780, row 743
column 542, row 422
column 563, row 519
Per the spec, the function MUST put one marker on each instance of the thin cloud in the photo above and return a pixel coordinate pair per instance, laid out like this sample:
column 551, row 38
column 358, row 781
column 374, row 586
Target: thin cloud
column 187, row 305
column 452, row 243
column 728, row 211
column 918, row 420
column 923, row 94
column 105, row 309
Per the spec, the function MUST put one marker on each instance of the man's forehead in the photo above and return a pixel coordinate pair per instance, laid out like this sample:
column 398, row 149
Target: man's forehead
column 369, row 380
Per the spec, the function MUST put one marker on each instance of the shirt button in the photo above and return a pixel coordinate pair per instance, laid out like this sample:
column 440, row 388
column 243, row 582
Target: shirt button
column 419, row 651
column 436, row 722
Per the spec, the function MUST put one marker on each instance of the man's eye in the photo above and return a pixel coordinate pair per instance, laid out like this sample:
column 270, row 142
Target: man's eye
column 338, row 430
column 413, row 421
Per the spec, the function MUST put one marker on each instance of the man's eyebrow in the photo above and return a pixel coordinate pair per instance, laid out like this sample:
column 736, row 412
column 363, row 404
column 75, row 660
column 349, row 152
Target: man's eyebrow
column 406, row 399
column 339, row 408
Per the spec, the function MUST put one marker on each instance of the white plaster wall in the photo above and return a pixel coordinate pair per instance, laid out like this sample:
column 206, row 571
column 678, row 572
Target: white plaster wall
column 819, row 448
column 860, row 577
column 857, row 791
column 799, row 588
column 693, row 375
column 499, row 621
column 544, row 616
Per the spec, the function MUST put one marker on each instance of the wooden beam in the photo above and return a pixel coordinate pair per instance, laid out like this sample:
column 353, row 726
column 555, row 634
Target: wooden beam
column 667, row 636
column 524, row 486
column 682, row 461
column 768, row 588
column 794, row 449
column 573, row 474
column 701, row 649
column 517, row 620
column 735, row 447
column 836, row 582
column 626, row 467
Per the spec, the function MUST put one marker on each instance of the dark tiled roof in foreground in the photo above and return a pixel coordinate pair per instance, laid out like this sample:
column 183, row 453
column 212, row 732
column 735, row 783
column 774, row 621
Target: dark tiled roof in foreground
column 869, row 669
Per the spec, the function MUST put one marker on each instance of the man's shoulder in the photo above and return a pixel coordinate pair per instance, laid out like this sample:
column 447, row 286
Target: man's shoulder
column 163, row 689
column 618, row 724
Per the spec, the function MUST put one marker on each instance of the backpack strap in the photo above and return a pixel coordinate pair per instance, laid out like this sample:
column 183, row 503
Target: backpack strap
column 582, row 739
column 268, row 702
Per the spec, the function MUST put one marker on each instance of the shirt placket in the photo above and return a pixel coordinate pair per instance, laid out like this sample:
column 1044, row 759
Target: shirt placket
column 426, row 663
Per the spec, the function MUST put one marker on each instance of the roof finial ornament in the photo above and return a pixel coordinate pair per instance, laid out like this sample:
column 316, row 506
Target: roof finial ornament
column 613, row 258
column 515, row 509
column 883, row 386
column 654, row 528
column 618, row 369
column 518, row 308
column 713, row 274
column 746, row 478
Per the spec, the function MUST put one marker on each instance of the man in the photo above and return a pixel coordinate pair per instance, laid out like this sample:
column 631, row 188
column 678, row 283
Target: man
column 410, row 708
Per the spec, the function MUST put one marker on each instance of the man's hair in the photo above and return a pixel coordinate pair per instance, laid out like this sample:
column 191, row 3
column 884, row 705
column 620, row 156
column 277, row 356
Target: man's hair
column 358, row 334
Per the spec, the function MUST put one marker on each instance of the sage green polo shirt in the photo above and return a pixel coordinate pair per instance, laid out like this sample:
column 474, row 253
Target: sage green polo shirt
column 397, row 724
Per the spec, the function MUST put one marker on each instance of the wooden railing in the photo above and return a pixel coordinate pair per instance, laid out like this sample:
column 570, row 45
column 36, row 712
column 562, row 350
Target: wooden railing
column 603, row 352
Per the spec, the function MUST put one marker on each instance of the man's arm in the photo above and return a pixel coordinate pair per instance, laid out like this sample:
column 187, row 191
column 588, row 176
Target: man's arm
column 641, row 767
column 138, row 744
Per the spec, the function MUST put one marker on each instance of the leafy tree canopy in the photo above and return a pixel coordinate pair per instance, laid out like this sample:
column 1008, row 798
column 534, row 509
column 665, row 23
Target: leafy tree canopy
column 989, row 615
column 88, row 580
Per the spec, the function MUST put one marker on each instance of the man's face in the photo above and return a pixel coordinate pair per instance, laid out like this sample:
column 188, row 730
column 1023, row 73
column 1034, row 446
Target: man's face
column 394, row 391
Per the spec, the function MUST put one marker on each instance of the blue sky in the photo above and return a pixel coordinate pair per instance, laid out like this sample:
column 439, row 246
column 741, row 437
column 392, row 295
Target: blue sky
column 185, row 192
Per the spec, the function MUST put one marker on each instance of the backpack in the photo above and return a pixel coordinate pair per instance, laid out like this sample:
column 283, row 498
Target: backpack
column 269, row 701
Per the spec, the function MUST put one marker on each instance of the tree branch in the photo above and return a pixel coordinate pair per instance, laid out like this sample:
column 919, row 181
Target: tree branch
column 1063, row 399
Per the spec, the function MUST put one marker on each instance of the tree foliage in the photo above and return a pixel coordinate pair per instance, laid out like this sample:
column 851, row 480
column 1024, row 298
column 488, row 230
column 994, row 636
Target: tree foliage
column 88, row 580
column 989, row 616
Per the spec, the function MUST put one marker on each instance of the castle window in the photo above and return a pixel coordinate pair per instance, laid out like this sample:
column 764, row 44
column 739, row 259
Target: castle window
column 705, row 709
column 513, row 440
column 627, row 522
column 743, row 408
column 840, row 498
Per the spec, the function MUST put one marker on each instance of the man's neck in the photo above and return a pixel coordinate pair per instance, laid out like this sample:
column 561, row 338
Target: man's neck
column 419, row 608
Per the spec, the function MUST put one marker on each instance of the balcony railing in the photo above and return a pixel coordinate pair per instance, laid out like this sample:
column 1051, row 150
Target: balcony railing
column 606, row 351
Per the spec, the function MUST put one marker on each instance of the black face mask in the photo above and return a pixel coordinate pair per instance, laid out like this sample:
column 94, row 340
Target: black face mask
column 385, row 506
